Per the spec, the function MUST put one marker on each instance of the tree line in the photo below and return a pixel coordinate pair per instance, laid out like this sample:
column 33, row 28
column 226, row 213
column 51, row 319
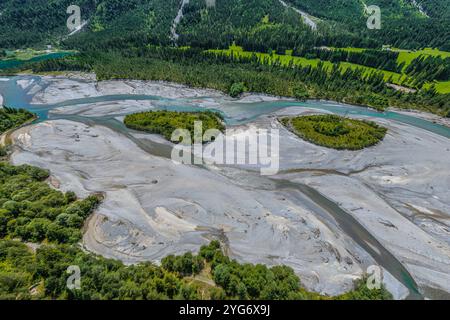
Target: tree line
column 258, row 25
column 385, row 60
column 11, row 118
column 429, row 68
column 196, row 68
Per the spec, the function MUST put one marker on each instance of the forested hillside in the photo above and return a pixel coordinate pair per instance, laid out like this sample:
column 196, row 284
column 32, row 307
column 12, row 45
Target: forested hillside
column 255, row 24
column 25, row 23
column 405, row 23
column 39, row 231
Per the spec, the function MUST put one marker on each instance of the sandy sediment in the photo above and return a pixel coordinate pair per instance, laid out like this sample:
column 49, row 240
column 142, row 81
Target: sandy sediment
column 424, row 255
column 25, row 83
column 105, row 108
column 154, row 207
column 424, row 115
column 398, row 190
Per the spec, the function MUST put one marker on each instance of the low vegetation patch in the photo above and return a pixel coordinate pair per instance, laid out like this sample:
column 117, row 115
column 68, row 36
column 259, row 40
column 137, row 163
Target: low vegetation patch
column 12, row 118
column 336, row 132
column 166, row 122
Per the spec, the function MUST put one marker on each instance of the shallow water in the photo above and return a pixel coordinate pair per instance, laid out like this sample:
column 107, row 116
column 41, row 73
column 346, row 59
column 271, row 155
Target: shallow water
column 236, row 113
column 14, row 63
column 359, row 234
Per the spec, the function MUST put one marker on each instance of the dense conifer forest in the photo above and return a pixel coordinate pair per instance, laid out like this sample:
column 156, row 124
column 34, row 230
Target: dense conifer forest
column 196, row 68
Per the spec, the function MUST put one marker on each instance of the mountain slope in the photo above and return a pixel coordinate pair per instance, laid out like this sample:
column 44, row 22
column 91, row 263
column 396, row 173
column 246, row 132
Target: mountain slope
column 405, row 23
column 255, row 24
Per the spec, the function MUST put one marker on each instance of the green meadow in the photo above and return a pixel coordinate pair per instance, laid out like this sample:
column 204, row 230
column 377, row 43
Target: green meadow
column 408, row 56
column 441, row 86
column 396, row 78
column 287, row 58
column 27, row 54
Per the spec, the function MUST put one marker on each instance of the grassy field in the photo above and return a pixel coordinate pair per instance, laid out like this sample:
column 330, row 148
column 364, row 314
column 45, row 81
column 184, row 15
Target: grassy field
column 349, row 49
column 441, row 86
column 397, row 78
column 408, row 56
column 286, row 59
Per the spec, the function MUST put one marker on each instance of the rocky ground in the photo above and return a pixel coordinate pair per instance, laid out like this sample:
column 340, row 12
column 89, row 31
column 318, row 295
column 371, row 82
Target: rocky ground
column 154, row 207
column 397, row 190
column 424, row 115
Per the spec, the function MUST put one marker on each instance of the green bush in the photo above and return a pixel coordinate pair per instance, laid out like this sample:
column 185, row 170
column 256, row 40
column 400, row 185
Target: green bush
column 109, row 279
column 237, row 88
column 336, row 132
column 300, row 93
column 166, row 122
column 186, row 265
column 11, row 118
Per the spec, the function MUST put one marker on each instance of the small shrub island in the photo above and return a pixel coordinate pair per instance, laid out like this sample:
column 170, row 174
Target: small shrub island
column 336, row 132
column 166, row 122
column 12, row 118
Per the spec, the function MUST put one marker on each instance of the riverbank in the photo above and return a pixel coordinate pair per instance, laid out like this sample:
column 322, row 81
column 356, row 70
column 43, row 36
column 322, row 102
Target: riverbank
column 5, row 136
column 22, row 57
column 158, row 208
column 443, row 121
column 85, row 84
column 188, row 207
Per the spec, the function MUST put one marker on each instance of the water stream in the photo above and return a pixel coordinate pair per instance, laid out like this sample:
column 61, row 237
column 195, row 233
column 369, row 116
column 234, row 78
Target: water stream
column 239, row 113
